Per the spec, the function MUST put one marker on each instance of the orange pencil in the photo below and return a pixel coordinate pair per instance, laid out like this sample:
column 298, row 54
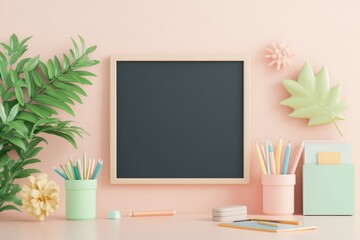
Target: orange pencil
column 152, row 213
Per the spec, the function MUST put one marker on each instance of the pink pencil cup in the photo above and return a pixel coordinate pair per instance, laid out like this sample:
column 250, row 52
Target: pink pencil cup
column 278, row 194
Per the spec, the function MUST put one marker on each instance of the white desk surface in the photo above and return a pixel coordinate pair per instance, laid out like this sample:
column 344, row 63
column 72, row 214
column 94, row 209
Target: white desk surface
column 182, row 227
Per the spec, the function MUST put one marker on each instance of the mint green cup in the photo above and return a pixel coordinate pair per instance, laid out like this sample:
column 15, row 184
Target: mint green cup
column 80, row 199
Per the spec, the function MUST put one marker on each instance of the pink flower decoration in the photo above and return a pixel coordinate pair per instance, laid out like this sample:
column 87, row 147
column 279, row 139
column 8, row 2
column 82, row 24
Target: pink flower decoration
column 279, row 54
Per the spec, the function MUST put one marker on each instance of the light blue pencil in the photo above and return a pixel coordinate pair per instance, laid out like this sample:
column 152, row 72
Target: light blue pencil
column 286, row 158
column 63, row 169
column 62, row 175
column 267, row 156
column 97, row 170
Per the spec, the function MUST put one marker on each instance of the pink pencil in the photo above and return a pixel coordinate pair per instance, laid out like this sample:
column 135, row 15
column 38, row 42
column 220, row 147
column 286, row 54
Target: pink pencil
column 272, row 160
column 263, row 151
column 92, row 168
column 297, row 158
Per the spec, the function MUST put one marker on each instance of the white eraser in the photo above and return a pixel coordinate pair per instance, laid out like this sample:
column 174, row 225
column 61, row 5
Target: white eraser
column 114, row 214
column 233, row 208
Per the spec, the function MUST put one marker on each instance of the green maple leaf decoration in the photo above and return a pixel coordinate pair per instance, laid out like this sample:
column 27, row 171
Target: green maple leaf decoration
column 313, row 99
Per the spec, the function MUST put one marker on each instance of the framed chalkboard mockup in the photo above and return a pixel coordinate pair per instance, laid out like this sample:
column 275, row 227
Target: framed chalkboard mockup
column 179, row 119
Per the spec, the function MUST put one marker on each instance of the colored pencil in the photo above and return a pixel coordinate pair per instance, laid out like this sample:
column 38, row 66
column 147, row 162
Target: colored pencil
column 278, row 156
column 65, row 173
column 297, row 158
column 262, row 164
column 80, row 167
column 92, row 168
column 70, row 170
column 267, row 156
column 286, row 158
column 272, row 160
column 88, row 169
column 271, row 224
column 97, row 170
column 61, row 174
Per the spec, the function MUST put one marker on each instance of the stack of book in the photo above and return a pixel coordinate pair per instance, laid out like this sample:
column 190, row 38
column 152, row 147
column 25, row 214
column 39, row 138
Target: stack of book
column 229, row 213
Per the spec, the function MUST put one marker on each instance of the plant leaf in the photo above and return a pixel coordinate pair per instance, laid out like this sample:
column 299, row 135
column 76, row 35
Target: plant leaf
column 19, row 95
column 13, row 112
column 16, row 141
column 2, row 90
column 14, row 43
column 70, row 86
column 40, row 110
column 36, row 140
column 20, row 65
column 14, row 76
column 19, row 126
column 5, row 74
column 7, row 49
column 44, row 69
column 312, row 98
column 37, row 78
column 91, row 49
column 76, row 48
column 2, row 112
column 32, row 63
column 71, row 95
column 63, row 135
column 25, row 173
column 32, row 152
column 29, row 83
column 66, row 62
column 83, row 46
column 26, row 116
column 87, row 64
column 4, row 159
column 58, row 68
column 17, row 55
column 47, row 100
column 9, row 207
column 59, row 95
column 30, row 161
column 51, row 69
column 3, row 58
column 86, row 73
column 22, row 43
column 78, row 78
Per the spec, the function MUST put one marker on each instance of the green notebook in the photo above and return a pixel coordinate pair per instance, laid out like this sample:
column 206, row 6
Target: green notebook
column 253, row 225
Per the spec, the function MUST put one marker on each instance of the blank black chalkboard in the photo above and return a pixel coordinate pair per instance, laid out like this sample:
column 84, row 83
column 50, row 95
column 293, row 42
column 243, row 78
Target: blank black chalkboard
column 179, row 119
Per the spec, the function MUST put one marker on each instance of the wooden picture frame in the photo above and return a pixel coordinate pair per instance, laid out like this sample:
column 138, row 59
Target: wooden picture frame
column 113, row 115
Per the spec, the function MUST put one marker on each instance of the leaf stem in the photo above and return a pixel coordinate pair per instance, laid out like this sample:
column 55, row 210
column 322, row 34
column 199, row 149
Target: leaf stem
column 338, row 128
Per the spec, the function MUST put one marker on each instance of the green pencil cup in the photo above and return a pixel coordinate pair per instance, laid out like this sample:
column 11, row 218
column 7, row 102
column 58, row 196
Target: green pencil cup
column 80, row 199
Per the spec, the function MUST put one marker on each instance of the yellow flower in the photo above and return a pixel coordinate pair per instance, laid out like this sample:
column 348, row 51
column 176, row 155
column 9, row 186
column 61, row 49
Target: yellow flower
column 40, row 197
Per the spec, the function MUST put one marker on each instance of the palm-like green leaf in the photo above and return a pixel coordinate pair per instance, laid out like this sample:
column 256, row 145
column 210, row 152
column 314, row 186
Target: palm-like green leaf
column 313, row 99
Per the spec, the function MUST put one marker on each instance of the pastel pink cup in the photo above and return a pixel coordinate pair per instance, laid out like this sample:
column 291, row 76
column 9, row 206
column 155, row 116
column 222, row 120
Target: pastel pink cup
column 278, row 194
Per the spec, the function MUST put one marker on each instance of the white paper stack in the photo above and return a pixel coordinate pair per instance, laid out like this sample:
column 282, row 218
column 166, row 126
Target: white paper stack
column 229, row 213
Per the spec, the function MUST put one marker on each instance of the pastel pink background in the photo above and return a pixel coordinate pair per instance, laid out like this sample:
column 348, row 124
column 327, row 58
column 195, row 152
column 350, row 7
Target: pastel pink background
column 321, row 31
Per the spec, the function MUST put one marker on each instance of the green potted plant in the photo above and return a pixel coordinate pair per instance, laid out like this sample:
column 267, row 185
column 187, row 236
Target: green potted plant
column 31, row 93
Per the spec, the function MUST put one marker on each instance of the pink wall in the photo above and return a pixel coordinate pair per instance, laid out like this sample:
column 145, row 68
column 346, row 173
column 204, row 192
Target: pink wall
column 322, row 31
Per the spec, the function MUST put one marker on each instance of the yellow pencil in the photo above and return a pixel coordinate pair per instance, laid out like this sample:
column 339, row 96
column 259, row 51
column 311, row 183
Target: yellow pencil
column 262, row 164
column 67, row 172
column 70, row 170
column 80, row 169
column 292, row 222
column 278, row 156
column 88, row 169
column 268, row 224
